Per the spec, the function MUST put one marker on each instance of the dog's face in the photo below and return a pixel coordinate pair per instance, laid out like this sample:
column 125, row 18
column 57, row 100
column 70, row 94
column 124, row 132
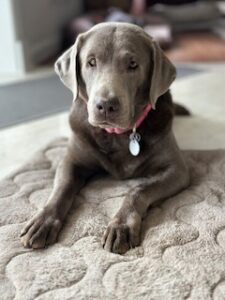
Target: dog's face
column 117, row 69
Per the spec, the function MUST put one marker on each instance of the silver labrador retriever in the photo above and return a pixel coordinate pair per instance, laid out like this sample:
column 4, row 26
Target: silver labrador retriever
column 121, row 124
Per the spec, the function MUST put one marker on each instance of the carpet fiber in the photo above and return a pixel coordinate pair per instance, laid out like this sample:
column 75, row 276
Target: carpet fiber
column 181, row 256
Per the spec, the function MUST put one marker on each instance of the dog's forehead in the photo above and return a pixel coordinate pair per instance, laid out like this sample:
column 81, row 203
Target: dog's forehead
column 108, row 39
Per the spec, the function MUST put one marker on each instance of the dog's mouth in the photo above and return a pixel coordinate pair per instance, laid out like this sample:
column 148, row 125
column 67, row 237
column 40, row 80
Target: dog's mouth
column 120, row 127
column 107, row 124
column 122, row 122
column 112, row 119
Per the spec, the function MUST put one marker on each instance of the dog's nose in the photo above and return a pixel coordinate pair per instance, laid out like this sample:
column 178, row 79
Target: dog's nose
column 108, row 106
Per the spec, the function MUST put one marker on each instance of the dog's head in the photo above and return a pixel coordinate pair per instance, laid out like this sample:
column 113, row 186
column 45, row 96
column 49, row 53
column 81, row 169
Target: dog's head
column 117, row 69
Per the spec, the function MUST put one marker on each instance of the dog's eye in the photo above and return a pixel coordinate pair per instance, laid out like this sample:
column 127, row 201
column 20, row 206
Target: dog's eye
column 132, row 65
column 92, row 62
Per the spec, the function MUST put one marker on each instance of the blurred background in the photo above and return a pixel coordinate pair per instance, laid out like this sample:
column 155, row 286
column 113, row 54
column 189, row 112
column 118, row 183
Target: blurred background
column 34, row 104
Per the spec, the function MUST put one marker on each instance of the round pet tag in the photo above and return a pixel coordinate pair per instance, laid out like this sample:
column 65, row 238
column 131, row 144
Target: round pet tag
column 134, row 147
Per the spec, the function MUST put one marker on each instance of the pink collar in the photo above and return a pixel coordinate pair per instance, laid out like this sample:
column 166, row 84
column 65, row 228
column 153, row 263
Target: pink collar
column 138, row 123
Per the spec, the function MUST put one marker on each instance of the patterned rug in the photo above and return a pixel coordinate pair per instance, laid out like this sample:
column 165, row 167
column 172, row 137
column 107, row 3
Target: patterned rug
column 182, row 251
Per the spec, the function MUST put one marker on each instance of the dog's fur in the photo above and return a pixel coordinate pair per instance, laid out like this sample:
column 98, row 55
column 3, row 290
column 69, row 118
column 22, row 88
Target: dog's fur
column 114, row 61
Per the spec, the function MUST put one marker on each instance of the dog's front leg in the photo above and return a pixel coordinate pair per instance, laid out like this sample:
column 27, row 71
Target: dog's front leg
column 123, row 232
column 44, row 227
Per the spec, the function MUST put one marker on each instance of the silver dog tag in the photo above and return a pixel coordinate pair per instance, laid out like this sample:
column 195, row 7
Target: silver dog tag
column 134, row 145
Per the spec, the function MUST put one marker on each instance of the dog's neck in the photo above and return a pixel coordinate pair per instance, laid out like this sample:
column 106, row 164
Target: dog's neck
column 138, row 122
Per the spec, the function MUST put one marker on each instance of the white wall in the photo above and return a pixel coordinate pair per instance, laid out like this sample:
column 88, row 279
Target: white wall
column 30, row 30
column 8, row 58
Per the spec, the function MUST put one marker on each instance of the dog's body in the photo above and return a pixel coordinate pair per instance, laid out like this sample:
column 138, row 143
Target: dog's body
column 112, row 83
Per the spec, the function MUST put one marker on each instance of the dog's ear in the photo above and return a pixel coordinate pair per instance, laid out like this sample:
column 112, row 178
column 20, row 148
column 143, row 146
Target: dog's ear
column 66, row 67
column 163, row 73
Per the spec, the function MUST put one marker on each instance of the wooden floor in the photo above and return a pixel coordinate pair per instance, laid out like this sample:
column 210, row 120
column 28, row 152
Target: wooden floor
column 197, row 47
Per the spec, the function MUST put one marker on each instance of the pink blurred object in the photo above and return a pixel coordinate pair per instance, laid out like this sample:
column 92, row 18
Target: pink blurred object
column 138, row 7
column 160, row 32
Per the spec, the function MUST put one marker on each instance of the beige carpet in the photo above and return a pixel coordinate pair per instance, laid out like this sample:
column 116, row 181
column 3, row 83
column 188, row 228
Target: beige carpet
column 181, row 256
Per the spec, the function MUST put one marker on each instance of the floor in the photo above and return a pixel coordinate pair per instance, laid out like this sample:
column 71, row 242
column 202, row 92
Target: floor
column 203, row 93
column 43, row 96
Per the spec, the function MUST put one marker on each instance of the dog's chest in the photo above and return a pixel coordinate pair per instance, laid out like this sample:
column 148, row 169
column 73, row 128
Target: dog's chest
column 106, row 143
column 116, row 151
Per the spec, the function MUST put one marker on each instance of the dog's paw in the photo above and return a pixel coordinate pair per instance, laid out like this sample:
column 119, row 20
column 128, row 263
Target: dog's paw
column 120, row 237
column 42, row 230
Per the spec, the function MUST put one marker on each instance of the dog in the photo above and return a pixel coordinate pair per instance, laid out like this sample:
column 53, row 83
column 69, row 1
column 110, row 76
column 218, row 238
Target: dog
column 121, row 120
